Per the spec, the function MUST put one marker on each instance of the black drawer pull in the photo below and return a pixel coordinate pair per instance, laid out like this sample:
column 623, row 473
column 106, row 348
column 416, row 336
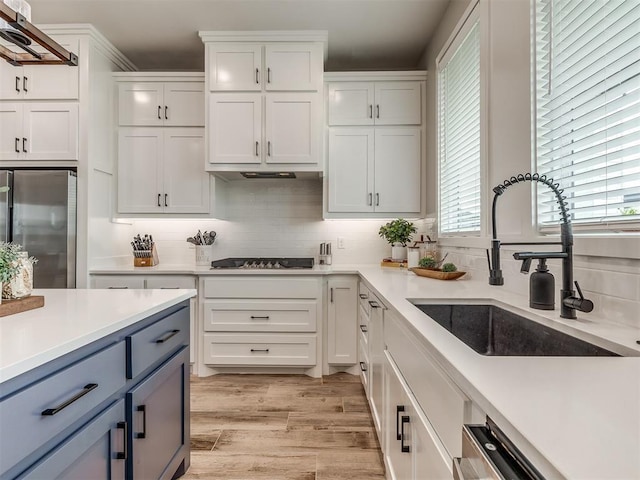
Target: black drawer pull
column 399, row 408
column 86, row 389
column 24, row 84
column 17, row 145
column 143, row 433
column 257, row 317
column 118, row 288
column 404, row 448
column 363, row 366
column 364, row 296
column 159, row 110
column 166, row 112
column 363, row 328
column 24, row 145
column 17, row 84
column 123, row 455
column 172, row 333
column 266, row 350
column 374, row 304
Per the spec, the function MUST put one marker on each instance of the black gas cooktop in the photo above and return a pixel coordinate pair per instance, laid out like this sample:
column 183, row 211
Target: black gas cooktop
column 263, row 263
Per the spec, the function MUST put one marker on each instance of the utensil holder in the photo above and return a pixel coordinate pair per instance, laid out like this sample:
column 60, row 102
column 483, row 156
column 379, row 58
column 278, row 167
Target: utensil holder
column 146, row 258
column 204, row 255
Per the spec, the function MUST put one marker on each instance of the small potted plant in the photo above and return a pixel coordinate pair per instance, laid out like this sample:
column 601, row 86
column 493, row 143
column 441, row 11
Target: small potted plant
column 9, row 265
column 398, row 233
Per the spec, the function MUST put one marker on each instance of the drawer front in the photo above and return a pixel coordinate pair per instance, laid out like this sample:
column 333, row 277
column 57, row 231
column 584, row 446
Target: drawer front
column 260, row 316
column 117, row 281
column 244, row 286
column 171, row 281
column 441, row 401
column 156, row 342
column 364, row 295
column 363, row 325
column 23, row 412
column 363, row 359
column 259, row 350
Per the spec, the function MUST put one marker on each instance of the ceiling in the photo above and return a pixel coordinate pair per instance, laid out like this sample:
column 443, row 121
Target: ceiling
column 163, row 34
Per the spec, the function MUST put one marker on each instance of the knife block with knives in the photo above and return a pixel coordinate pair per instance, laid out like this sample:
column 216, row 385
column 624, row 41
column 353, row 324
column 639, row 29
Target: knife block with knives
column 144, row 251
column 325, row 254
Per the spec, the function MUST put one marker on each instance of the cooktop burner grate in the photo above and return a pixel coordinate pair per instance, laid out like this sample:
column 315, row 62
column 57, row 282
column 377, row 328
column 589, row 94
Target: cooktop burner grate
column 262, row 263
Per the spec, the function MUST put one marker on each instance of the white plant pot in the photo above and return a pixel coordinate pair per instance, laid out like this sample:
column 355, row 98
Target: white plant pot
column 204, row 255
column 398, row 253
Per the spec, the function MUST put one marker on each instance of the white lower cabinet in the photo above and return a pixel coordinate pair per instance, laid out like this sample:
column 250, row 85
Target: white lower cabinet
column 412, row 449
column 342, row 317
column 260, row 320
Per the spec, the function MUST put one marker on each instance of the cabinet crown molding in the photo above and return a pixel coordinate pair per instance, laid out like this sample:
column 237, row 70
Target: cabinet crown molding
column 384, row 76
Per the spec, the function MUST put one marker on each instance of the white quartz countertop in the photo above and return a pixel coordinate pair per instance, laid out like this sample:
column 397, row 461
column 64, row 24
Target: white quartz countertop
column 580, row 416
column 180, row 269
column 71, row 319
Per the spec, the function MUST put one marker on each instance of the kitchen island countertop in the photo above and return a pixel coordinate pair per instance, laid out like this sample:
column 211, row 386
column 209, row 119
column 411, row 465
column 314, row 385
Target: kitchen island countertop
column 71, row 319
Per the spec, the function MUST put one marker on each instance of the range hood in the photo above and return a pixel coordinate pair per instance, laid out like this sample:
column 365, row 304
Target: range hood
column 268, row 174
column 16, row 27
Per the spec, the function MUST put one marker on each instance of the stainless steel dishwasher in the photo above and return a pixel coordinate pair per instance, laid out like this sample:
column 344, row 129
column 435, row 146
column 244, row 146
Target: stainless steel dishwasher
column 487, row 453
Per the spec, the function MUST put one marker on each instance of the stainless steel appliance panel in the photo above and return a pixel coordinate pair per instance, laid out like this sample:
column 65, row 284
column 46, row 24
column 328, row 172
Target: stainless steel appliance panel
column 44, row 223
column 6, row 179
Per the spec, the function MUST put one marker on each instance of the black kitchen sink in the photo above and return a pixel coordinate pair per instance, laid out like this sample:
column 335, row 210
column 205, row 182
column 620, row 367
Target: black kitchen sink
column 493, row 331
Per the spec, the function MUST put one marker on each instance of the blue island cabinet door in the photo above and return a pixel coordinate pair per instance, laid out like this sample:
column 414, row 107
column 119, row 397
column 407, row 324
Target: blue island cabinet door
column 158, row 409
column 97, row 451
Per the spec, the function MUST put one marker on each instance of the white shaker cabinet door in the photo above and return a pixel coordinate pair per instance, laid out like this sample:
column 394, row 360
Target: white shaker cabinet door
column 140, row 104
column 397, row 170
column 140, row 157
column 186, row 184
column 396, row 428
column 398, row 103
column 293, row 66
column 351, row 169
column 235, row 128
column 342, row 318
column 351, row 103
column 51, row 131
column 235, row 67
column 10, row 131
column 292, row 128
column 183, row 104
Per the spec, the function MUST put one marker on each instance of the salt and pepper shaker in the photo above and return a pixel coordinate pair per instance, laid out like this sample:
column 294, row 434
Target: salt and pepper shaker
column 325, row 254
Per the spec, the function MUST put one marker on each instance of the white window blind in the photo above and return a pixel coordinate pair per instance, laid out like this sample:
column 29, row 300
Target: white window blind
column 588, row 109
column 459, row 134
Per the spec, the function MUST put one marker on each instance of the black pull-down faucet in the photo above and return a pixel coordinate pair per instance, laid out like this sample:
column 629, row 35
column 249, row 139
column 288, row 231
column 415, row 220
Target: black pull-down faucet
column 569, row 302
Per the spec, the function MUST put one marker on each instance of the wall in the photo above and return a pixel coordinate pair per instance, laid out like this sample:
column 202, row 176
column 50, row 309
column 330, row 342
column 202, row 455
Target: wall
column 269, row 218
column 607, row 267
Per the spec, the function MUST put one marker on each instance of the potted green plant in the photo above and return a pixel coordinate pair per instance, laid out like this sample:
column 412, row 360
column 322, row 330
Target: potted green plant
column 9, row 265
column 398, row 233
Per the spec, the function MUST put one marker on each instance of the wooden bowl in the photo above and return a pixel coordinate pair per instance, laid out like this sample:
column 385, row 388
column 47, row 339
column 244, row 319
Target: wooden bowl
column 438, row 274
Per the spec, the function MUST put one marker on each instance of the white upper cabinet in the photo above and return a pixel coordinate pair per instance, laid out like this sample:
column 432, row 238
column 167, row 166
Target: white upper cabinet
column 41, row 82
column 375, row 103
column 274, row 67
column 291, row 128
column 235, row 67
column 161, row 104
column 38, row 131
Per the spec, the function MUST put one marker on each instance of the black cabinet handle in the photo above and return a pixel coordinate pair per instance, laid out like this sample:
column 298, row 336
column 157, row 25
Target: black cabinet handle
column 257, row 152
column 399, row 408
column 266, row 350
column 123, row 455
column 24, row 84
column 159, row 111
column 370, row 111
column 166, row 201
column 166, row 337
column 374, row 304
column 17, row 145
column 257, row 76
column 404, row 448
column 268, row 75
column 377, row 111
column 86, row 389
column 363, row 296
column 256, row 317
column 18, row 84
column 24, row 145
column 377, row 199
column 117, row 288
column 166, row 112
column 363, row 366
column 143, row 433
column 159, row 200
column 331, row 294
column 363, row 328
column 169, row 288
column 370, row 199
column 269, row 148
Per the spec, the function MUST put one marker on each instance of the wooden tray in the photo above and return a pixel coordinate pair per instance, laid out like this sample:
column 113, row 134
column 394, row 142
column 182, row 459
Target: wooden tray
column 9, row 307
column 390, row 263
column 438, row 274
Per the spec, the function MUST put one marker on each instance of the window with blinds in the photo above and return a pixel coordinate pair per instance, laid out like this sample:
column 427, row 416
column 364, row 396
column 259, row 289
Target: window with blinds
column 587, row 72
column 459, row 132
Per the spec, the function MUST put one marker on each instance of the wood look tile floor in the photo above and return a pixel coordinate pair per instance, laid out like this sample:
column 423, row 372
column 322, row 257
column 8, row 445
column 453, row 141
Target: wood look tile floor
column 282, row 427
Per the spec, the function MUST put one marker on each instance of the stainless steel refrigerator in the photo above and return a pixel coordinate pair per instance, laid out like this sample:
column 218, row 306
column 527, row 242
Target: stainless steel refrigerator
column 39, row 212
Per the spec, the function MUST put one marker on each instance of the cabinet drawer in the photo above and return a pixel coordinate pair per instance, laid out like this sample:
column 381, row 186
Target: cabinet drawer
column 154, row 343
column 441, row 401
column 241, row 286
column 118, row 281
column 259, row 350
column 171, row 281
column 364, row 295
column 259, row 316
column 363, row 325
column 65, row 397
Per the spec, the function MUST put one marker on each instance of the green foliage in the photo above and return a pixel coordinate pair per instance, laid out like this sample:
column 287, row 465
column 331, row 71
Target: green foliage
column 449, row 267
column 628, row 211
column 9, row 261
column 427, row 262
column 398, row 231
